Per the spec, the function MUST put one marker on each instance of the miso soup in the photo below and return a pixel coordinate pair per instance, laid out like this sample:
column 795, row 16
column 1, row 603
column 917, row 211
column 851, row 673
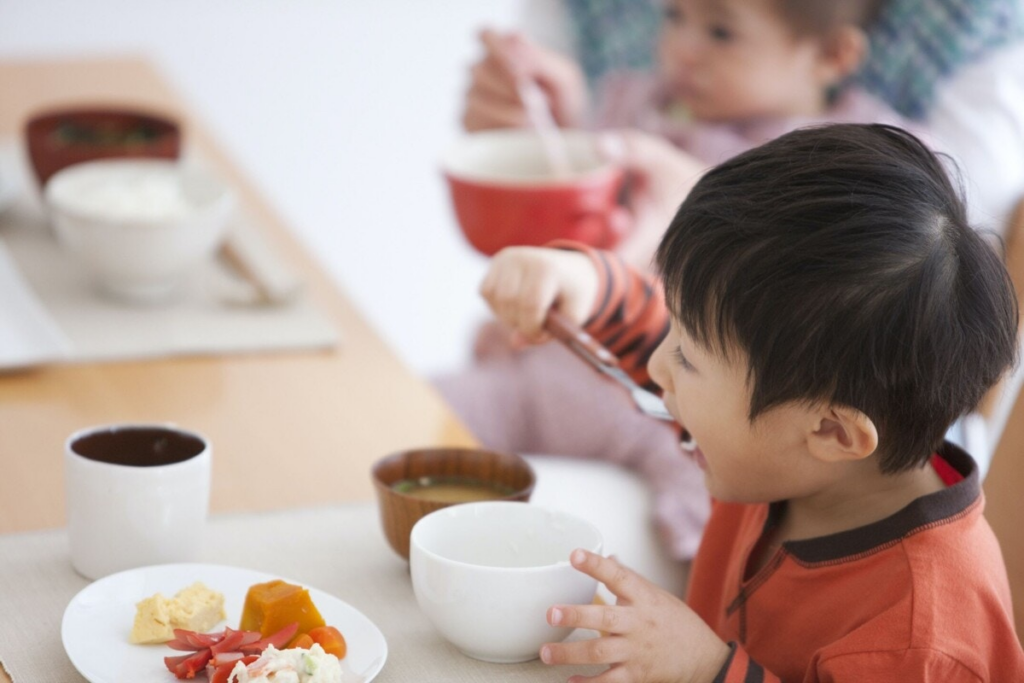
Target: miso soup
column 452, row 489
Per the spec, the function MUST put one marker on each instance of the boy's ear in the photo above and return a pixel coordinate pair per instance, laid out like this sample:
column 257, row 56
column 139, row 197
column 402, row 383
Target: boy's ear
column 842, row 53
column 842, row 434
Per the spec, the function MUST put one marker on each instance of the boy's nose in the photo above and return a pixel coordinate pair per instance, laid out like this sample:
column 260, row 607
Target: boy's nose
column 656, row 367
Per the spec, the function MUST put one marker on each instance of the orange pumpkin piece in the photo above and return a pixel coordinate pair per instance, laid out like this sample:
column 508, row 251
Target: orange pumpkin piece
column 271, row 606
column 331, row 640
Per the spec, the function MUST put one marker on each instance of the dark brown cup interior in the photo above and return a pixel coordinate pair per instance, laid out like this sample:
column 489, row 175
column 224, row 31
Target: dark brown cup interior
column 138, row 446
column 400, row 512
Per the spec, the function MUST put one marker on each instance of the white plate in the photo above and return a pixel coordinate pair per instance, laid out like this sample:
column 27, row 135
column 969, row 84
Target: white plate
column 99, row 619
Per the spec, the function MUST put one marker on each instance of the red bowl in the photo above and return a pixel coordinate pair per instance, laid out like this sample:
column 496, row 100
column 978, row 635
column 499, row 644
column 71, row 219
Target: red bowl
column 61, row 137
column 505, row 195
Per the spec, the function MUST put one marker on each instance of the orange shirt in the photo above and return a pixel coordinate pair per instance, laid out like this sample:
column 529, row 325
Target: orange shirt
column 921, row 596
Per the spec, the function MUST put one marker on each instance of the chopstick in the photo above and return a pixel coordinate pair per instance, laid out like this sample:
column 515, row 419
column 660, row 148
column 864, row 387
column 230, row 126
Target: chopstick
column 253, row 260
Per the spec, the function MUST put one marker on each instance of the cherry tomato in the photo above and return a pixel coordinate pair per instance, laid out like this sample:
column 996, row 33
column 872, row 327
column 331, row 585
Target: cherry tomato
column 303, row 641
column 330, row 639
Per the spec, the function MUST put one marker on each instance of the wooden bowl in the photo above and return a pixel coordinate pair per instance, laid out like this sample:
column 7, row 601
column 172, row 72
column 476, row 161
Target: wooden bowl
column 60, row 138
column 400, row 511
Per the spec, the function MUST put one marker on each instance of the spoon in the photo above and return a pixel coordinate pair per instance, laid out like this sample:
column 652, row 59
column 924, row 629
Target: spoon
column 539, row 114
column 605, row 362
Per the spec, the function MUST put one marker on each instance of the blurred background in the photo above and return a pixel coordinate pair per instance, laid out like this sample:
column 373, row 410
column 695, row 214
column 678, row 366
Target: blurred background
column 338, row 111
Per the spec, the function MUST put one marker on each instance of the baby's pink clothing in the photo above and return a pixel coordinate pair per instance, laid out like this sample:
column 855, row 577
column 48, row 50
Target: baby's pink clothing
column 638, row 100
column 545, row 400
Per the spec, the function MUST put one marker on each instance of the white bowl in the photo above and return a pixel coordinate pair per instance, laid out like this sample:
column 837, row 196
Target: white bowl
column 140, row 226
column 486, row 573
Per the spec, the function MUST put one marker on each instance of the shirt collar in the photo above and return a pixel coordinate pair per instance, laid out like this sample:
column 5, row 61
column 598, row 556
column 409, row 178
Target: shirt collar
column 936, row 508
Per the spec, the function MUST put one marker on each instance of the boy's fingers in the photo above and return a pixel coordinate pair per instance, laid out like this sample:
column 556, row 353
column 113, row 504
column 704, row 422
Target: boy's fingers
column 504, row 297
column 623, row 582
column 607, row 618
column 609, row 650
column 537, row 296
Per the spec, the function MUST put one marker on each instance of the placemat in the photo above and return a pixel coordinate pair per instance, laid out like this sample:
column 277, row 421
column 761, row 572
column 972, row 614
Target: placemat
column 339, row 550
column 208, row 317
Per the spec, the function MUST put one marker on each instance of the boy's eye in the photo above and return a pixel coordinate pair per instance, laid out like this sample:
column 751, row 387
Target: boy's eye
column 722, row 34
column 677, row 353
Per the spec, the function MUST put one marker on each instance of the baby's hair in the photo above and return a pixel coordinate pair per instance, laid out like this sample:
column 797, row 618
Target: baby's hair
column 820, row 17
column 839, row 260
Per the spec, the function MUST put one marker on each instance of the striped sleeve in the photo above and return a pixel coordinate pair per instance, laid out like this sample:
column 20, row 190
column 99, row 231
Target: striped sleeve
column 629, row 316
column 740, row 668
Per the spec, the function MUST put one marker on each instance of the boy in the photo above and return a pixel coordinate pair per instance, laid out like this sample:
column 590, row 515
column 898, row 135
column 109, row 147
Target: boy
column 830, row 314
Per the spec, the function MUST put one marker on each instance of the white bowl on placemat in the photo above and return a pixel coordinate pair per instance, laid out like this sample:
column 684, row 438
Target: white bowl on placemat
column 140, row 226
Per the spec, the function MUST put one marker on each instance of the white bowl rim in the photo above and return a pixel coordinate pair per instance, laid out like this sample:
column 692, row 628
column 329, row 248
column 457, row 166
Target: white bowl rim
column 607, row 168
column 414, row 544
column 223, row 201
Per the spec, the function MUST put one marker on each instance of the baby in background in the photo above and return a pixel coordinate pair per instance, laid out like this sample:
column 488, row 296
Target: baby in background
column 830, row 313
column 731, row 75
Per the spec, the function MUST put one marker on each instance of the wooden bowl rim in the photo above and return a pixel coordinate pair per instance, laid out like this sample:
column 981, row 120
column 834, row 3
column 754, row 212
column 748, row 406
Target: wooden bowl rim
column 519, row 493
column 48, row 117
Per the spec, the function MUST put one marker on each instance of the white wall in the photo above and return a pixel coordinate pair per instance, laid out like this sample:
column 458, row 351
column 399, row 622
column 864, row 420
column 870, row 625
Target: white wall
column 338, row 111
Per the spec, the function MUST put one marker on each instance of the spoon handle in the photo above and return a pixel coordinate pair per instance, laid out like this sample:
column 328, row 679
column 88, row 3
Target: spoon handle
column 543, row 122
column 579, row 341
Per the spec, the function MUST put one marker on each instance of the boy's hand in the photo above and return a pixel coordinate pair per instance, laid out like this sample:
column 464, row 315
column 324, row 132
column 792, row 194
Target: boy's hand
column 493, row 97
column 652, row 635
column 524, row 283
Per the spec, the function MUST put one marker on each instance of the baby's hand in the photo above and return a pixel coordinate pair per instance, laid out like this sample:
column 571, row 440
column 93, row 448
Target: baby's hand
column 651, row 634
column 524, row 283
column 493, row 98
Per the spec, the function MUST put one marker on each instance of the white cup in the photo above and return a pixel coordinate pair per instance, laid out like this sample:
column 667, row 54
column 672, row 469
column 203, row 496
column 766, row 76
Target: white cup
column 486, row 573
column 137, row 494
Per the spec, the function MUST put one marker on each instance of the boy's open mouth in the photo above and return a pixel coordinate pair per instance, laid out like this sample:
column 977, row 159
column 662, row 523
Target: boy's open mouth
column 689, row 446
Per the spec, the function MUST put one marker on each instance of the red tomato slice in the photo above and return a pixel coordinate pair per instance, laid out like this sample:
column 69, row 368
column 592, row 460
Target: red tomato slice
column 330, row 639
column 178, row 644
column 223, row 658
column 278, row 640
column 250, row 637
column 188, row 665
column 232, row 639
column 172, row 662
column 198, row 641
column 222, row 673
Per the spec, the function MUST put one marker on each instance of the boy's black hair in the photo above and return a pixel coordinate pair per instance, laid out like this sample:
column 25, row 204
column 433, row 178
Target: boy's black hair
column 840, row 260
